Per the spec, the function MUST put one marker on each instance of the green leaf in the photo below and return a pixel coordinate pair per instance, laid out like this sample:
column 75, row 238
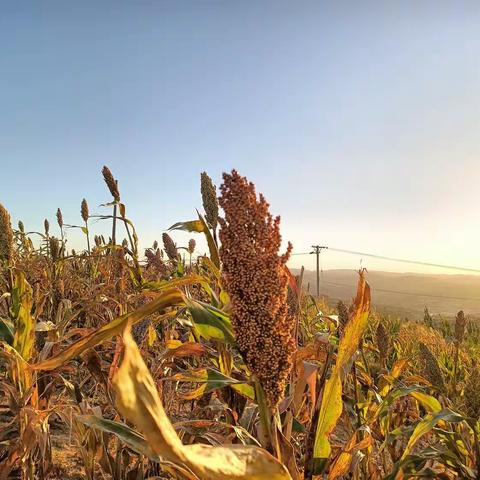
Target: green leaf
column 7, row 331
column 429, row 402
column 212, row 245
column 210, row 323
column 130, row 437
column 245, row 390
column 200, row 226
column 190, row 226
column 427, row 424
column 209, row 379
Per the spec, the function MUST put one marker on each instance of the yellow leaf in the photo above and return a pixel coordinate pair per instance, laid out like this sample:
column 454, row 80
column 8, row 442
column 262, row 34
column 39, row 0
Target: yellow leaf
column 166, row 299
column 151, row 336
column 342, row 463
column 138, row 401
column 24, row 323
column 430, row 403
column 331, row 406
column 172, row 343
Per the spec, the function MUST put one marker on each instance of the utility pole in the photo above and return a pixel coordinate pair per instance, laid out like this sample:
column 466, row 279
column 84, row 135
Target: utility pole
column 316, row 250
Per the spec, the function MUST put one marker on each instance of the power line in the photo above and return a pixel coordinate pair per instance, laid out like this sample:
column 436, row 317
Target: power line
column 395, row 259
column 404, row 293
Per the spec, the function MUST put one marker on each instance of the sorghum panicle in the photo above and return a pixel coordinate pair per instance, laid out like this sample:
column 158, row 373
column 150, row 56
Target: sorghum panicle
column 191, row 246
column 209, row 199
column 54, row 248
column 155, row 261
column 383, row 340
column 6, row 236
column 431, row 369
column 59, row 218
column 169, row 247
column 254, row 276
column 460, row 324
column 111, row 183
column 84, row 210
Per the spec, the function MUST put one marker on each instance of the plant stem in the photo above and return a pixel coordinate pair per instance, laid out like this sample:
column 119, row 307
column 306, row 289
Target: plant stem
column 310, row 443
column 88, row 237
column 114, row 225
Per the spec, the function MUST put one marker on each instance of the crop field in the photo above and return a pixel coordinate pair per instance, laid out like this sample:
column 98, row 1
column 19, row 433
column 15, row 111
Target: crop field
column 123, row 363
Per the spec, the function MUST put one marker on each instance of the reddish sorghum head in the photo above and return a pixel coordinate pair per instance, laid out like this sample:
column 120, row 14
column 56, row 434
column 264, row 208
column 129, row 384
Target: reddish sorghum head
column 254, row 275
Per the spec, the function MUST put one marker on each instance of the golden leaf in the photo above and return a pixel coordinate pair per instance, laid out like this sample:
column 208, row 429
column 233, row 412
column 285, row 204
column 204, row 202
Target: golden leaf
column 138, row 401
column 332, row 405
column 166, row 299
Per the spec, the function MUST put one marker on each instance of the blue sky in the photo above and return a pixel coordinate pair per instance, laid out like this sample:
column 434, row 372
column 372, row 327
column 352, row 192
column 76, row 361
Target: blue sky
column 359, row 121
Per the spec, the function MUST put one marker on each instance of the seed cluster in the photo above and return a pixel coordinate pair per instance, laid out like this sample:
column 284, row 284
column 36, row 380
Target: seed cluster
column 460, row 324
column 54, row 248
column 111, row 183
column 254, row 276
column 431, row 369
column 405, row 408
column 384, row 342
column 169, row 247
column 191, row 246
column 155, row 260
column 209, row 199
column 84, row 210
column 6, row 236
column 59, row 218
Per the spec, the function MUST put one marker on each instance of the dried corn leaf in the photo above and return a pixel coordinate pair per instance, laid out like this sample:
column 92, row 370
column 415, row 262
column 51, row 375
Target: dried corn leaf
column 138, row 400
column 166, row 299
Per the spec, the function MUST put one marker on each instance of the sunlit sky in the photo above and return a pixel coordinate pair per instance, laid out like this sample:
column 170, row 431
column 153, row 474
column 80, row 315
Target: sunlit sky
column 359, row 121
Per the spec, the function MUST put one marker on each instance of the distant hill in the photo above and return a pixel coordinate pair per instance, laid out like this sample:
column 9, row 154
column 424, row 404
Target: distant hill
column 442, row 294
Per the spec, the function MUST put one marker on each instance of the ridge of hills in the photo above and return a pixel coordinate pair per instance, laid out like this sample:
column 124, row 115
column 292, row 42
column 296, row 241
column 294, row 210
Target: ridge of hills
column 403, row 294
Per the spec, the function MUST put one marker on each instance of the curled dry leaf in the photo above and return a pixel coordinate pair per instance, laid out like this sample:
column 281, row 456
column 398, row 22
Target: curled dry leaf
column 168, row 298
column 138, row 400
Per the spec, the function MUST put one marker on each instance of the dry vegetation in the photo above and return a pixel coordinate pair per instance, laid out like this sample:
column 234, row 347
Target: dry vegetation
column 117, row 365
